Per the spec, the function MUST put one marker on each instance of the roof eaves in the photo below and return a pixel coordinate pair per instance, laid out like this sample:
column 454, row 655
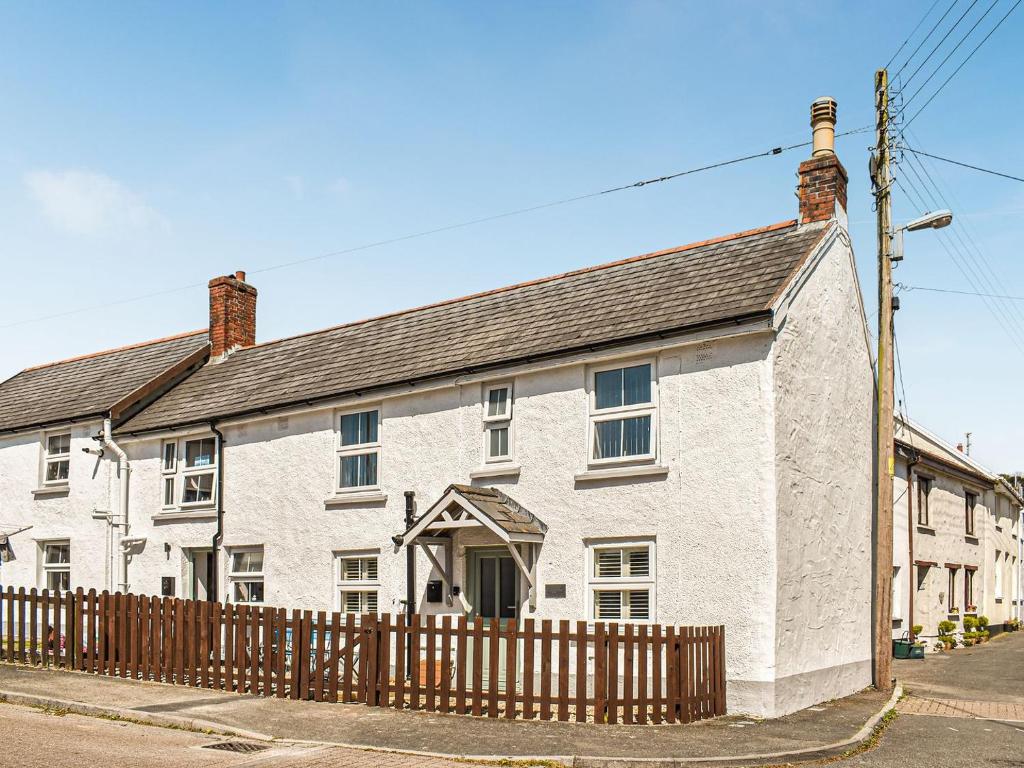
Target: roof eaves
column 736, row 320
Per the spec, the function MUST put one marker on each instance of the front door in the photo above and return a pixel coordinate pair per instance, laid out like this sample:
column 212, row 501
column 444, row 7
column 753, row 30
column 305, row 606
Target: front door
column 495, row 596
column 497, row 579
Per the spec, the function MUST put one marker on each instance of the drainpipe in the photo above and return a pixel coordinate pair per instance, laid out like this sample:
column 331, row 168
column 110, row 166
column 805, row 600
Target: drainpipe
column 122, row 501
column 911, row 574
column 218, row 536
column 410, row 571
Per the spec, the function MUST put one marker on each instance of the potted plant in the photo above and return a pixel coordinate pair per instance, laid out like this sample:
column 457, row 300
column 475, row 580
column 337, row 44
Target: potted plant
column 954, row 611
column 917, row 629
column 946, row 629
column 968, row 639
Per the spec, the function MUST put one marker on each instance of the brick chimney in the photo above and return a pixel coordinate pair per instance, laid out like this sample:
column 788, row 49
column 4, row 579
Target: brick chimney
column 822, row 187
column 232, row 315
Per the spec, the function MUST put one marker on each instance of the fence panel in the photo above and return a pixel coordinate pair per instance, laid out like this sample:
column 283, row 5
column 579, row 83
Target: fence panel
column 604, row 673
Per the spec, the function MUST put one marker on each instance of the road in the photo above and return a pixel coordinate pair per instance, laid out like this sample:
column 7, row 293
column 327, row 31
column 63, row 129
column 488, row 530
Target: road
column 31, row 738
column 964, row 710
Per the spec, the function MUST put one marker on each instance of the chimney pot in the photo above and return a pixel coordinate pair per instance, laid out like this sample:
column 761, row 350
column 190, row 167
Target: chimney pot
column 823, row 126
column 232, row 315
column 960, row 447
column 822, row 188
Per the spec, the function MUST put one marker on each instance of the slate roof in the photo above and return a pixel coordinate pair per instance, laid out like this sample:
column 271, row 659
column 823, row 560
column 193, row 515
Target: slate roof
column 669, row 291
column 508, row 513
column 90, row 385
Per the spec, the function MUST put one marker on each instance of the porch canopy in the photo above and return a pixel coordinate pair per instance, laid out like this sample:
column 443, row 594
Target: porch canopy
column 466, row 507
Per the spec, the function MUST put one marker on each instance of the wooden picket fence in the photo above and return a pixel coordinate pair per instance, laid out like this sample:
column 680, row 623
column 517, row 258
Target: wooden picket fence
column 597, row 672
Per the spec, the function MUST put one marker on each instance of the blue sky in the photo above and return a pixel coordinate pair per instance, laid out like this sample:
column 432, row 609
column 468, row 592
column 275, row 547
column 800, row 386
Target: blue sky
column 148, row 147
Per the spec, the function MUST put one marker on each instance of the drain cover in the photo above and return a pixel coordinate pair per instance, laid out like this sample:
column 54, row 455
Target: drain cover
column 242, row 747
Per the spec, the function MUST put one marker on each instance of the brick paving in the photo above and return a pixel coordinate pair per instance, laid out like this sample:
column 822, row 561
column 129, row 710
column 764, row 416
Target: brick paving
column 984, row 710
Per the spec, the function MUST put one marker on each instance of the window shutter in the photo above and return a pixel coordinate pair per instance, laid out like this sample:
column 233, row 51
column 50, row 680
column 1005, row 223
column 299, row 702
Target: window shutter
column 371, row 569
column 609, row 563
column 351, row 602
column 608, row 604
column 639, row 562
column 371, row 602
column 639, row 604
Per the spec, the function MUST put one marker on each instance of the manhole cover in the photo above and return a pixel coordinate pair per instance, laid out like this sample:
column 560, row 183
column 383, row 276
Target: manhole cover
column 243, row 747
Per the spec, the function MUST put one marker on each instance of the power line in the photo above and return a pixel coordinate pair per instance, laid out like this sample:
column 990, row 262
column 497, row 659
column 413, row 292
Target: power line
column 962, row 227
column 912, row 33
column 962, row 165
column 925, row 39
column 908, row 288
column 974, row 261
column 447, row 228
column 955, row 48
column 938, row 45
column 962, row 63
column 922, row 206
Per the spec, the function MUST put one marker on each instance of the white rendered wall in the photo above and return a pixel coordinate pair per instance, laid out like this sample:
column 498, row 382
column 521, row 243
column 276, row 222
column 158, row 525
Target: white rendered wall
column 823, row 395
column 63, row 516
column 712, row 515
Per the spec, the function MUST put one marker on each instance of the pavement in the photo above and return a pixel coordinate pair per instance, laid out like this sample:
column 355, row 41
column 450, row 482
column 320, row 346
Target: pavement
column 962, row 708
column 729, row 740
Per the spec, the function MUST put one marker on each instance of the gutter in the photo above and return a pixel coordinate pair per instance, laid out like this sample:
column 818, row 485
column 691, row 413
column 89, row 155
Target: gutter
column 122, row 502
column 749, row 317
column 218, row 536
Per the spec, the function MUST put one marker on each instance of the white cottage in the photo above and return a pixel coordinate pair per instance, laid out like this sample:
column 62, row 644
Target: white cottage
column 956, row 538
column 678, row 437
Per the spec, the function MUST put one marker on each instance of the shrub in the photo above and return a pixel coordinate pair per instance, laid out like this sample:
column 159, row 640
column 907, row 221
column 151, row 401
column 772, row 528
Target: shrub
column 917, row 629
column 970, row 623
column 946, row 627
column 983, row 621
column 944, row 639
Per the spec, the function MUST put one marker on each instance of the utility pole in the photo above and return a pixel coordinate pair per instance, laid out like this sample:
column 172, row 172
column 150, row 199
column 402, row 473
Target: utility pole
column 885, row 465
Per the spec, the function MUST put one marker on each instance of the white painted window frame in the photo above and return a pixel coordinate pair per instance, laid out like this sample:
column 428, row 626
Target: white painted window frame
column 598, row 415
column 358, row 449
column 45, row 569
column 362, row 586
column 622, row 583
column 234, row 577
column 500, row 421
column 46, row 458
column 998, row 573
column 184, row 471
column 168, row 474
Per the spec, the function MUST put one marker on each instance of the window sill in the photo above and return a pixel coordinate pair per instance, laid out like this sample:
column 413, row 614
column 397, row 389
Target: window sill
column 51, row 490
column 610, row 473
column 970, row 538
column 497, row 469
column 359, row 497
column 208, row 513
column 925, row 529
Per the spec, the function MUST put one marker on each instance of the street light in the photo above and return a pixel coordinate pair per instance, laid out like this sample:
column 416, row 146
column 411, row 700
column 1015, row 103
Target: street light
column 934, row 220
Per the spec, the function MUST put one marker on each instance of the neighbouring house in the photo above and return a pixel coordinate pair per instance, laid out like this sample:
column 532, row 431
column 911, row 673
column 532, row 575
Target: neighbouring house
column 59, row 482
column 956, row 537
column 680, row 437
